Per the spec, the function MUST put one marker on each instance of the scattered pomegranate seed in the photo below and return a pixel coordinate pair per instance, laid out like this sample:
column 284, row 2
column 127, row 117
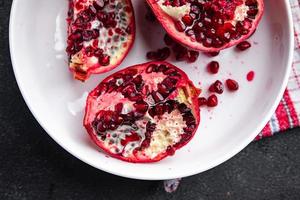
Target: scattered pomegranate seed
column 160, row 54
column 250, row 76
column 192, row 56
column 202, row 101
column 243, row 45
column 213, row 67
column 217, row 87
column 213, row 54
column 232, row 85
column 212, row 101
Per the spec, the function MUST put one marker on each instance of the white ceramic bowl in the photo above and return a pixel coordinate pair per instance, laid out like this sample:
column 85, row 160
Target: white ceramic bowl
column 37, row 43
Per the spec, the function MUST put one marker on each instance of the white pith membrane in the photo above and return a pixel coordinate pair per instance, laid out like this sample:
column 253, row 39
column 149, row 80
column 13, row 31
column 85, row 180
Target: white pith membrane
column 169, row 126
column 113, row 44
column 189, row 35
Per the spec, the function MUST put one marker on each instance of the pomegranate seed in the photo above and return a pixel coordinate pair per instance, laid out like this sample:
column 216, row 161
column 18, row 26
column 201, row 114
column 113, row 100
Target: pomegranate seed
column 212, row 101
column 160, row 54
column 105, row 60
column 119, row 107
column 213, row 67
column 192, row 56
column 187, row 20
column 202, row 101
column 179, row 26
column 213, row 54
column 243, row 45
column 163, row 53
column 217, row 87
column 232, row 85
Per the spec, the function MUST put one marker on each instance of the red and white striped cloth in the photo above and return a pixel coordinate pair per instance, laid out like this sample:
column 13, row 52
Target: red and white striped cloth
column 287, row 115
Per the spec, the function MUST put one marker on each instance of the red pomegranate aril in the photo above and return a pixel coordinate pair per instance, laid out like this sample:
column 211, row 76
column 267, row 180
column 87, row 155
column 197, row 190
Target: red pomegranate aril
column 192, row 56
column 119, row 107
column 213, row 67
column 160, row 54
column 163, row 53
column 212, row 101
column 232, row 85
column 104, row 60
column 180, row 26
column 217, row 87
column 243, row 45
column 187, row 20
column 202, row 101
column 213, row 54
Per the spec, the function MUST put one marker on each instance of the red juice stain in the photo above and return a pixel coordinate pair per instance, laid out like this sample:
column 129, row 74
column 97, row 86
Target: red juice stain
column 250, row 76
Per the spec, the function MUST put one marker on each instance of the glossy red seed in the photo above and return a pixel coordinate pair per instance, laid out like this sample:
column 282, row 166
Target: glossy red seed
column 163, row 54
column 187, row 20
column 232, row 85
column 179, row 26
column 202, row 101
column 243, row 45
column 192, row 56
column 212, row 101
column 217, row 87
column 104, row 60
column 119, row 107
column 213, row 67
column 213, row 54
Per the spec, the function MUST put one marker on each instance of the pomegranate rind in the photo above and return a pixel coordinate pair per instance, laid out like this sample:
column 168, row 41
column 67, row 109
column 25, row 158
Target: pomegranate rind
column 168, row 24
column 191, row 90
column 77, row 67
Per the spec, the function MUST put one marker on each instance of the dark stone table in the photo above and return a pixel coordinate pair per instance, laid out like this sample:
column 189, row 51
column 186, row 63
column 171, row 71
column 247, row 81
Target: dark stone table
column 33, row 166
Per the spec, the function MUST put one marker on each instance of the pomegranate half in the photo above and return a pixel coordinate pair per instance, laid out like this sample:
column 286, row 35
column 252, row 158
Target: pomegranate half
column 208, row 25
column 143, row 113
column 100, row 34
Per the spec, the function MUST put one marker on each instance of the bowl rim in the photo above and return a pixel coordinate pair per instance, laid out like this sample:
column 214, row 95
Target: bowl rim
column 191, row 172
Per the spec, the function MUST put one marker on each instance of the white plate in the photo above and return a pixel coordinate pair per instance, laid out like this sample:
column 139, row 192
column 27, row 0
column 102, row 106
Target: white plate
column 37, row 42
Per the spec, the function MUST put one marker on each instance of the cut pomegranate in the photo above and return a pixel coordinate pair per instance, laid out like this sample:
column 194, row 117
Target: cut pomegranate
column 143, row 113
column 100, row 34
column 208, row 25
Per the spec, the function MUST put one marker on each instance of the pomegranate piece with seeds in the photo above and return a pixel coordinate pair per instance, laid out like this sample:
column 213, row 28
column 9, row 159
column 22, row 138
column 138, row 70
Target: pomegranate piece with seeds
column 208, row 25
column 143, row 113
column 100, row 34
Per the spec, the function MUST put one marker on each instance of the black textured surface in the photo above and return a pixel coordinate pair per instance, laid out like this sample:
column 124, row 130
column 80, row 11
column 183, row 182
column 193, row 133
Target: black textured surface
column 33, row 166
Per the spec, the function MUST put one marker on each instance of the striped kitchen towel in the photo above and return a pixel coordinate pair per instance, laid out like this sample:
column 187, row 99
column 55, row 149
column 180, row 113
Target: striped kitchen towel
column 287, row 115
